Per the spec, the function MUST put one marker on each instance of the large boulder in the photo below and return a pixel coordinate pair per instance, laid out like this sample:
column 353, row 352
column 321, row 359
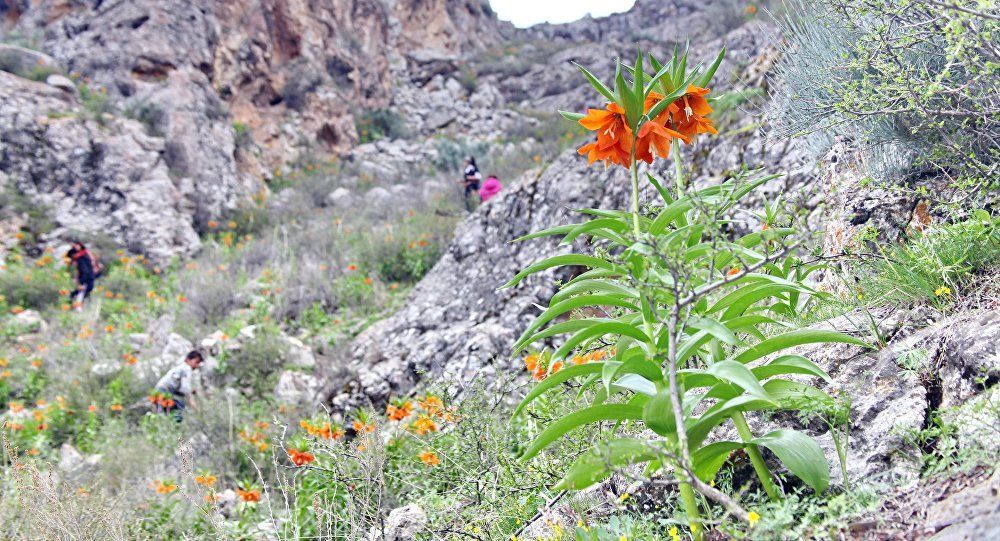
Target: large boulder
column 94, row 174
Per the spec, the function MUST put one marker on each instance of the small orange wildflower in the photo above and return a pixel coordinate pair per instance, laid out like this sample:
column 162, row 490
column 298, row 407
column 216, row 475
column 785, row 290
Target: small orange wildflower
column 399, row 412
column 430, row 458
column 424, row 424
column 249, row 496
column 352, row 267
column 531, row 362
column 300, row 458
column 162, row 487
column 734, row 271
column 556, row 366
column 115, row 407
column 207, row 480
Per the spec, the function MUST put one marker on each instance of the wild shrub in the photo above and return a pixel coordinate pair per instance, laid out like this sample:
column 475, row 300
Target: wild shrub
column 687, row 317
column 37, row 284
column 212, row 288
column 376, row 124
column 911, row 85
column 936, row 265
column 256, row 365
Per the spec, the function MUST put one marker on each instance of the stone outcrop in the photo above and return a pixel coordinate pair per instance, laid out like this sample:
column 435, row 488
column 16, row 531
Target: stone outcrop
column 93, row 173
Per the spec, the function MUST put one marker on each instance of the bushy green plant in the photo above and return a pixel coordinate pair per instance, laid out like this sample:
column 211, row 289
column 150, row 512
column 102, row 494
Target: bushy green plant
column 257, row 363
column 35, row 285
column 936, row 265
column 693, row 316
column 376, row 124
column 912, row 85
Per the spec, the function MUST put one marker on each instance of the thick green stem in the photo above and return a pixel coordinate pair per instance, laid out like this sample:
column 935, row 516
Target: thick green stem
column 756, row 458
column 634, row 170
column 691, row 509
column 678, row 167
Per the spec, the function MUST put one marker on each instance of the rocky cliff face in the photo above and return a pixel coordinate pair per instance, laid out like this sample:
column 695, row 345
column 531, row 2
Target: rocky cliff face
column 226, row 93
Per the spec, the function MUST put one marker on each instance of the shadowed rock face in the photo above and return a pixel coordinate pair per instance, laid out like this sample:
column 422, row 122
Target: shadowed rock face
column 289, row 74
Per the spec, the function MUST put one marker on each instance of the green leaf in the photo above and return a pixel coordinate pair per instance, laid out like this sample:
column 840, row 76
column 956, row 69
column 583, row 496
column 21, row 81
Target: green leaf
column 709, row 459
column 667, row 199
column 560, row 261
column 594, row 286
column 795, row 395
column 706, row 77
column 598, row 463
column 636, row 384
column 659, row 414
column 589, row 415
column 801, row 455
column 553, row 380
column 699, row 427
column 572, row 325
column 568, row 305
column 740, row 375
column 790, row 364
column 796, row 338
column 575, row 117
column 716, row 329
column 549, row 232
column 591, row 227
column 597, row 84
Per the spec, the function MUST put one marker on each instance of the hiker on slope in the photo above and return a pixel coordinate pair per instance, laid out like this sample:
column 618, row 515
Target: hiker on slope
column 88, row 269
column 472, row 176
column 177, row 385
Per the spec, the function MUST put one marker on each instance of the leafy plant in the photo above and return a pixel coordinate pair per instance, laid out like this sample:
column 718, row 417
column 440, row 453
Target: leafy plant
column 376, row 124
column 696, row 312
column 911, row 84
column 935, row 265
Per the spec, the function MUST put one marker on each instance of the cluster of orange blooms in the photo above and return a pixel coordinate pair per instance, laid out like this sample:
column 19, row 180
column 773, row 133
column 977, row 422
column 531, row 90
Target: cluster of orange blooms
column 256, row 437
column 162, row 400
column 324, row 431
column 534, row 362
column 249, row 495
column 684, row 119
column 431, row 408
column 300, row 458
column 164, row 487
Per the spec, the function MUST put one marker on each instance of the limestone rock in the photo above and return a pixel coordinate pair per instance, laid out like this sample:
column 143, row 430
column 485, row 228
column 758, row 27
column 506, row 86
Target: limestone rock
column 69, row 458
column 62, row 83
column 298, row 388
column 31, row 321
column 970, row 514
column 403, row 524
column 299, row 354
column 96, row 175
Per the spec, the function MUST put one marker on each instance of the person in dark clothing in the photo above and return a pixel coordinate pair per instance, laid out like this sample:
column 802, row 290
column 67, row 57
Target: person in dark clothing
column 471, row 178
column 86, row 272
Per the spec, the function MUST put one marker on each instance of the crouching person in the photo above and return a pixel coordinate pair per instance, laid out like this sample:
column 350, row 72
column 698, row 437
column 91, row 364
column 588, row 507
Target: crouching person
column 174, row 390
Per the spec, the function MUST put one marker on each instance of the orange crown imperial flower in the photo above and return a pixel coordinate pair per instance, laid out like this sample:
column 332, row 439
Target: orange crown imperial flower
column 300, row 458
column 249, row 496
column 429, row 458
column 614, row 137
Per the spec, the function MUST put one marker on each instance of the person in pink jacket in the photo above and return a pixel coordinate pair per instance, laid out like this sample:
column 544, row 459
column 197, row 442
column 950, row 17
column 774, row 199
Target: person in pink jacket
column 490, row 188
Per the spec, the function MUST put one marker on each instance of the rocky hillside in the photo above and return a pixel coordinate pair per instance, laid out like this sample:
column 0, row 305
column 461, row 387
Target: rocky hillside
column 144, row 124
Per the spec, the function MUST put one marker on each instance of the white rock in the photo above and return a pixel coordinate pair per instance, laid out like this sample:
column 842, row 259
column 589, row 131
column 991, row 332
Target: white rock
column 31, row 320
column 69, row 458
column 105, row 369
column 299, row 354
column 248, row 332
column 298, row 388
column 61, row 82
column 177, row 347
column 403, row 524
column 339, row 198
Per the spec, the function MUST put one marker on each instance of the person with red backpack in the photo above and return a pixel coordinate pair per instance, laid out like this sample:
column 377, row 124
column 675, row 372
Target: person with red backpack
column 88, row 269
